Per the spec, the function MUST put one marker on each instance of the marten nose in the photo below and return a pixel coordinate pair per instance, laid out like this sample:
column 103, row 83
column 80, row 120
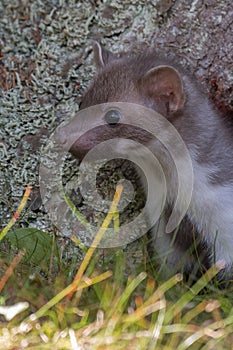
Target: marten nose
column 92, row 138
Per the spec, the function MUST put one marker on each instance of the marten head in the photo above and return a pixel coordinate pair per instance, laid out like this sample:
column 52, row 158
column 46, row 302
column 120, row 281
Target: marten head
column 143, row 79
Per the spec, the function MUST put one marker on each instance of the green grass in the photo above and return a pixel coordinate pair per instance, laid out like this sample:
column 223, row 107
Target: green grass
column 102, row 302
column 121, row 311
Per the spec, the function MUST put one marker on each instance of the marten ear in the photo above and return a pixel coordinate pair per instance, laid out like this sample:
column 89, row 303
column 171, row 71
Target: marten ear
column 101, row 56
column 164, row 85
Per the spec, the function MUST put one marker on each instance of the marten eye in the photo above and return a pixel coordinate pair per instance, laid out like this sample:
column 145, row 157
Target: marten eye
column 112, row 117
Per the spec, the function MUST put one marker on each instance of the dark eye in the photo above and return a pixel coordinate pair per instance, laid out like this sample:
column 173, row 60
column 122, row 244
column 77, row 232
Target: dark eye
column 112, row 117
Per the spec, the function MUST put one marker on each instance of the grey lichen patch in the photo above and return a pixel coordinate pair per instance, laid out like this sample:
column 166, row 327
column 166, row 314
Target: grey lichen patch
column 117, row 17
column 46, row 65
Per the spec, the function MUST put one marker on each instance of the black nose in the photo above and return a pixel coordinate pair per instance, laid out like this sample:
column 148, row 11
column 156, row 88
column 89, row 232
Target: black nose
column 112, row 117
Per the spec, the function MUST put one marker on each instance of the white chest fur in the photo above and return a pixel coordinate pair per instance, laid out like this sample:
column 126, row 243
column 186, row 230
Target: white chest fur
column 211, row 210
